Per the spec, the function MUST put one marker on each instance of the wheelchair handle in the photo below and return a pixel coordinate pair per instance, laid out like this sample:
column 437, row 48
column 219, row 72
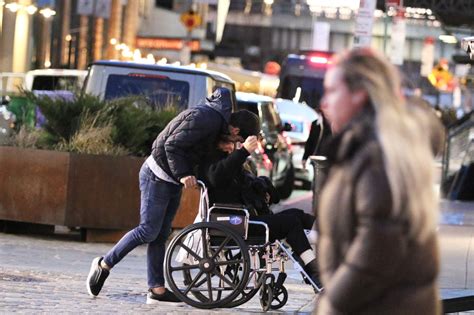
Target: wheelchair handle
column 201, row 184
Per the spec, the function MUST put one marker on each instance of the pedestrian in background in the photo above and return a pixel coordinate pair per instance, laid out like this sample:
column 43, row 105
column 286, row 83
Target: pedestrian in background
column 319, row 135
column 378, row 246
column 177, row 150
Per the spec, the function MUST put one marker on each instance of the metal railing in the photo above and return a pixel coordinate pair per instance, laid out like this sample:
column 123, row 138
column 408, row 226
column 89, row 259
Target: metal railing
column 459, row 150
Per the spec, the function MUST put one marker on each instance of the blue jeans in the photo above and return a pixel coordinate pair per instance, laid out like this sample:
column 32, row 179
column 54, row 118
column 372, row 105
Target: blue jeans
column 159, row 203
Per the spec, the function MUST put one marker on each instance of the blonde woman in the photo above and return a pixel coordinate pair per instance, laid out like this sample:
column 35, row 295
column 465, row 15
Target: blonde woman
column 378, row 248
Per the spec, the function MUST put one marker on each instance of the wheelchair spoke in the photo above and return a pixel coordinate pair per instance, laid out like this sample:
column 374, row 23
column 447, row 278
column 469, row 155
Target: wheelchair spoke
column 209, row 287
column 189, row 250
column 184, row 267
column 204, row 244
column 192, row 284
column 229, row 262
column 225, row 280
column 200, row 283
column 221, row 247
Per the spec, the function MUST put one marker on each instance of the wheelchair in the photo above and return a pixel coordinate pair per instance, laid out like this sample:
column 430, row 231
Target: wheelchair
column 214, row 263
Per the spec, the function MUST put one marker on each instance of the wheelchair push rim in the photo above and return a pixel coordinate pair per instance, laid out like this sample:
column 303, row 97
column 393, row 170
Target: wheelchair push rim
column 205, row 283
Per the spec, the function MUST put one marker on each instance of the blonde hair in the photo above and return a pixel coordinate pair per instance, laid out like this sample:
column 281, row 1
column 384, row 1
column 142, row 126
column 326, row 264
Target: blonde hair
column 405, row 145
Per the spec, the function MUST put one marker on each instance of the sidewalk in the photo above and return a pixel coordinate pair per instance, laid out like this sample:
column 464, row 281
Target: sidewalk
column 47, row 274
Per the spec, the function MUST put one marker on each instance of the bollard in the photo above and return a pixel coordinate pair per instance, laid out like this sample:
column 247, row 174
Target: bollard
column 319, row 164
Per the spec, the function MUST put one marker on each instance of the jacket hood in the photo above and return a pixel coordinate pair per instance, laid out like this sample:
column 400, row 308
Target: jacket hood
column 221, row 101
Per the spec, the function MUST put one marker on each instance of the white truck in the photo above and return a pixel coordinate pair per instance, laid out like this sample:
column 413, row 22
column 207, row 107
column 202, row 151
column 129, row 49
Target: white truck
column 54, row 79
column 161, row 85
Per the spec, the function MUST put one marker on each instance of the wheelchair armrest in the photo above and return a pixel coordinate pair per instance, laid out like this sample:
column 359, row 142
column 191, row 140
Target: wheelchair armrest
column 229, row 205
column 267, row 230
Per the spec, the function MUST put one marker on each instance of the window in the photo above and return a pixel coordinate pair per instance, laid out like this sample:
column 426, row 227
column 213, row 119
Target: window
column 158, row 91
column 312, row 89
column 54, row 82
column 269, row 117
column 251, row 106
column 168, row 4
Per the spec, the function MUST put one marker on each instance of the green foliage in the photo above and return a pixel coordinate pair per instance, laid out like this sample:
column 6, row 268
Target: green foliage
column 137, row 128
column 86, row 124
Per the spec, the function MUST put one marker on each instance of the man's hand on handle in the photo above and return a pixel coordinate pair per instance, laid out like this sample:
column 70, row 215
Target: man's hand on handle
column 188, row 181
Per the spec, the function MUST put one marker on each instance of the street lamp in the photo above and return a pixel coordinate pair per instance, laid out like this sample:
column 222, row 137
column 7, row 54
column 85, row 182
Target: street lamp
column 31, row 9
column 47, row 12
column 69, row 45
column 13, row 6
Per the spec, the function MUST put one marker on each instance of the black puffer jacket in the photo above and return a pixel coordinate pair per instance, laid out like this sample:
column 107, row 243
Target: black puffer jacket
column 229, row 182
column 185, row 140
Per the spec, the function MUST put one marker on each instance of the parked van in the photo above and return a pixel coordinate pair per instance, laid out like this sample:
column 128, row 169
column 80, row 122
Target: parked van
column 54, row 79
column 161, row 85
column 302, row 76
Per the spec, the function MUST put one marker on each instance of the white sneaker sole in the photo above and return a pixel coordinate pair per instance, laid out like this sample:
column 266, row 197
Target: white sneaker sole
column 94, row 264
column 150, row 301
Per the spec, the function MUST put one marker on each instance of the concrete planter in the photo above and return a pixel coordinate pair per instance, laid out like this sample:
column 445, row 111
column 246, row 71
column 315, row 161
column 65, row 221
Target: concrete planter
column 96, row 193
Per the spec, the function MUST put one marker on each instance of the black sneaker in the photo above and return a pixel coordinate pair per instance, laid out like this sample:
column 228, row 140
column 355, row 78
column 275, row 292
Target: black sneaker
column 168, row 297
column 96, row 277
column 312, row 271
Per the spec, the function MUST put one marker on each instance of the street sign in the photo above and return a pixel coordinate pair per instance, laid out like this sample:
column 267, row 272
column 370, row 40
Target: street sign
column 45, row 3
column 441, row 78
column 364, row 23
column 397, row 42
column 85, row 7
column 393, row 3
column 103, row 8
column 427, row 57
column 190, row 20
column 321, row 36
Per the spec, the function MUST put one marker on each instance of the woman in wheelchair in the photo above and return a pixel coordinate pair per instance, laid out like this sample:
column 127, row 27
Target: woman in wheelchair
column 229, row 181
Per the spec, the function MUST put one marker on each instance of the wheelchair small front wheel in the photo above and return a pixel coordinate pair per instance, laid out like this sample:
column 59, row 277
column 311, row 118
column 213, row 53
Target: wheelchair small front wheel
column 266, row 292
column 280, row 297
column 198, row 253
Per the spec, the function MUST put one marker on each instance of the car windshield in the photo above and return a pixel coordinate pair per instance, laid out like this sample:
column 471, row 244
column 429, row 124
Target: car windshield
column 311, row 89
column 54, row 83
column 270, row 118
column 158, row 91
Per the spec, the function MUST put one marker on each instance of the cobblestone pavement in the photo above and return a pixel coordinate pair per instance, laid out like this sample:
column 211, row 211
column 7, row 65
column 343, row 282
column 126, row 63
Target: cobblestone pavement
column 47, row 274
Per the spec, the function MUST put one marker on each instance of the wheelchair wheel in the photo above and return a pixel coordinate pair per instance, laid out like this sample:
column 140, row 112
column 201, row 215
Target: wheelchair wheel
column 195, row 265
column 254, row 282
column 280, row 297
column 266, row 292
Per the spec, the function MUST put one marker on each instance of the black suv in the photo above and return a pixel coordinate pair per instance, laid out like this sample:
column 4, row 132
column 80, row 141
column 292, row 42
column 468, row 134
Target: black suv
column 274, row 157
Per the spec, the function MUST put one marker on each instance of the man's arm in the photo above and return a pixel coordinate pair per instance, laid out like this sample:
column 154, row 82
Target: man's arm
column 223, row 171
column 194, row 130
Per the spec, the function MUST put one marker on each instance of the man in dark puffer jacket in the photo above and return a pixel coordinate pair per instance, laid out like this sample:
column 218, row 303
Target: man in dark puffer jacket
column 176, row 151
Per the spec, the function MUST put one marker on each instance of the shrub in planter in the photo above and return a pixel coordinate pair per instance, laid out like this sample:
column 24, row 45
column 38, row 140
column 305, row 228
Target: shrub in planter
column 86, row 124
